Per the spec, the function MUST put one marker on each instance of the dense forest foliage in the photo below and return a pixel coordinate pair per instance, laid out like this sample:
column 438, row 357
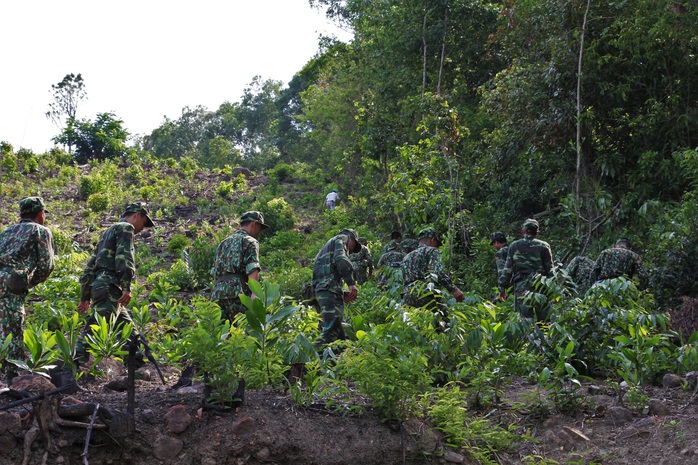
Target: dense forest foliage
column 473, row 115
column 467, row 115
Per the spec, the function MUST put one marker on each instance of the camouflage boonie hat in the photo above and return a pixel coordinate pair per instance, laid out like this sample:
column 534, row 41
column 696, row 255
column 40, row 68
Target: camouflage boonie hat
column 352, row 235
column 253, row 216
column 498, row 237
column 622, row 240
column 139, row 207
column 31, row 205
column 429, row 233
column 531, row 225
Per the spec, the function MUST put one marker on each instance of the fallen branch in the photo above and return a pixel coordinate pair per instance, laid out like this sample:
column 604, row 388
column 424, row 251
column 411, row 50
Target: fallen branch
column 89, row 433
column 26, row 400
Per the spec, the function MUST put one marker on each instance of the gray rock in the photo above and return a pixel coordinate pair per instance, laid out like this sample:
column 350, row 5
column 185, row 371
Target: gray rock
column 619, row 415
column 263, row 454
column 10, row 423
column 594, row 390
column 167, row 448
column 453, row 457
column 657, row 407
column 672, row 381
column 7, row 444
column 148, row 416
column 196, row 388
column 692, row 378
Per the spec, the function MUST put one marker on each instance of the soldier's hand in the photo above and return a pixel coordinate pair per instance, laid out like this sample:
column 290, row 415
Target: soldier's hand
column 352, row 294
column 84, row 306
column 502, row 296
column 459, row 295
column 125, row 298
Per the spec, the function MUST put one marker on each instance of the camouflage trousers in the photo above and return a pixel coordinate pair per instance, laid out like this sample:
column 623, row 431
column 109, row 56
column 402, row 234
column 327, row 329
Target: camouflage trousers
column 528, row 303
column 331, row 309
column 11, row 322
column 226, row 293
column 105, row 303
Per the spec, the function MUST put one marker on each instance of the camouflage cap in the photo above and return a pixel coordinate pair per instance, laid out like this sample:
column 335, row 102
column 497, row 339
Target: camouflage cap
column 31, row 205
column 623, row 240
column 531, row 226
column 352, row 235
column 498, row 237
column 139, row 207
column 253, row 216
column 429, row 233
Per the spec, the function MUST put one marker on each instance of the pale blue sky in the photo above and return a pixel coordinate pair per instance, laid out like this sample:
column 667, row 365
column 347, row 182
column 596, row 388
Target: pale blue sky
column 145, row 59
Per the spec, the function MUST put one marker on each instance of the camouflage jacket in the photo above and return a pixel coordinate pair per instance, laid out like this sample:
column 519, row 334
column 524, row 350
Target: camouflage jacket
column 27, row 247
column 423, row 265
column 392, row 245
column 112, row 261
column 332, row 266
column 619, row 261
column 391, row 258
column 236, row 257
column 525, row 258
column 500, row 258
column 408, row 245
column 581, row 271
column 362, row 259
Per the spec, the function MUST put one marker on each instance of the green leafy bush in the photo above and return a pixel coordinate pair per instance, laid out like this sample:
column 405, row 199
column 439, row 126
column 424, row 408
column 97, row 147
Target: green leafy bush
column 91, row 185
column 225, row 189
column 178, row 243
column 98, row 202
column 8, row 162
column 394, row 350
column 282, row 172
column 278, row 214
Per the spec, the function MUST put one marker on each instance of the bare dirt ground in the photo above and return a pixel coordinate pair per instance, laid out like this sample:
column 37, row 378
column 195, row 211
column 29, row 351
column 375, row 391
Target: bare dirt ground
column 172, row 428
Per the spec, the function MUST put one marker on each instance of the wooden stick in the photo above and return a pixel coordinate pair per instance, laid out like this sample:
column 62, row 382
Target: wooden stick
column 89, row 433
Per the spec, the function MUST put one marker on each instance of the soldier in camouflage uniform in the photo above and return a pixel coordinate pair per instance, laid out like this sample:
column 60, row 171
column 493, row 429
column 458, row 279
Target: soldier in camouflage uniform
column 620, row 261
column 408, row 244
column 237, row 261
column 26, row 259
column 331, row 268
column 363, row 263
column 581, row 271
column 423, row 275
column 394, row 244
column 526, row 258
column 389, row 265
column 106, row 281
column 499, row 241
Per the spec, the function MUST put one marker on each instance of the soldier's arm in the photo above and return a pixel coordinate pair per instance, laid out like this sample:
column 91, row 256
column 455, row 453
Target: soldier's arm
column 437, row 267
column 45, row 259
column 547, row 258
column 504, row 280
column 124, row 263
column 343, row 264
column 250, row 261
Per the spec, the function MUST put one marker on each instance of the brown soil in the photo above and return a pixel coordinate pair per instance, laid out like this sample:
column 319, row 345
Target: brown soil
column 269, row 429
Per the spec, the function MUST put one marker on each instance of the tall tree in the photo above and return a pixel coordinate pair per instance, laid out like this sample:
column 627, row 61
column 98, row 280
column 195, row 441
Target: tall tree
column 67, row 95
column 105, row 138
